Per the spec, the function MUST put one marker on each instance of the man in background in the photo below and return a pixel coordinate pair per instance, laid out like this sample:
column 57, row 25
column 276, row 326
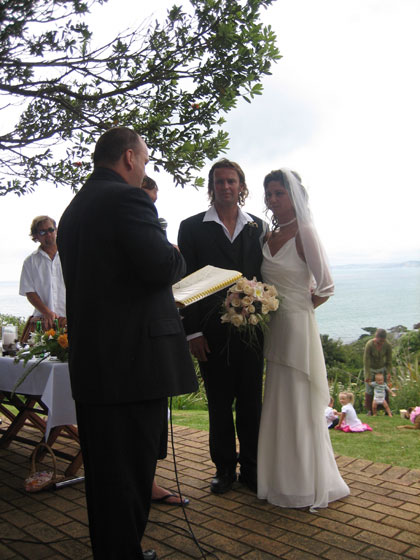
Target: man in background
column 226, row 237
column 159, row 494
column 377, row 358
column 151, row 188
column 149, row 185
column 127, row 348
column 41, row 280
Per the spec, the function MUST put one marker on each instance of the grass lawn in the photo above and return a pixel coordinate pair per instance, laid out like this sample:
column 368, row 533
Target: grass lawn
column 385, row 444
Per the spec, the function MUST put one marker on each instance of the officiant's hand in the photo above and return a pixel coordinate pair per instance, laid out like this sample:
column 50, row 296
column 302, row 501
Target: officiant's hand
column 199, row 348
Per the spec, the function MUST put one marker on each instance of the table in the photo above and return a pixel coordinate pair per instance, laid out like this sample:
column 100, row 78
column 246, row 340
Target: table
column 45, row 393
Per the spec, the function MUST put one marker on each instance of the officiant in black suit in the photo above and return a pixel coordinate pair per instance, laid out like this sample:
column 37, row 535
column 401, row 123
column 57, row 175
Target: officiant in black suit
column 226, row 237
column 128, row 350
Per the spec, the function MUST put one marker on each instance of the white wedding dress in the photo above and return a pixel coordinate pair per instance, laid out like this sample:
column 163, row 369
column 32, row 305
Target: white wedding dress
column 296, row 465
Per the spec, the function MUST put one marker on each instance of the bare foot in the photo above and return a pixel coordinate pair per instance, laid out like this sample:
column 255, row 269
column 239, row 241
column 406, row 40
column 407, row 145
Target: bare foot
column 160, row 494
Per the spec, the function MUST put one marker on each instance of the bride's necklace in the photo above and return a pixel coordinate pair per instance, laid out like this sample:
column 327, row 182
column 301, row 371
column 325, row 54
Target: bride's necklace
column 287, row 223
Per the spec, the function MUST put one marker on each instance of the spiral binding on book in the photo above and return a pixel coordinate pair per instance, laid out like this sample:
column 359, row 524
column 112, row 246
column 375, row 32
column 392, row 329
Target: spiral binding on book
column 208, row 292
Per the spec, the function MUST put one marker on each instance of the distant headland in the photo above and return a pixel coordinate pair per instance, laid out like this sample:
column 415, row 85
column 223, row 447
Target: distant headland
column 405, row 264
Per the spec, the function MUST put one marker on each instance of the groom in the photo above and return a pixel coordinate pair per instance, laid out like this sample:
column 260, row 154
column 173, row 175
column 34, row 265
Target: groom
column 226, row 237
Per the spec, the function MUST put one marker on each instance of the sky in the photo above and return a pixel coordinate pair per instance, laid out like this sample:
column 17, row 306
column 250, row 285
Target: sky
column 341, row 107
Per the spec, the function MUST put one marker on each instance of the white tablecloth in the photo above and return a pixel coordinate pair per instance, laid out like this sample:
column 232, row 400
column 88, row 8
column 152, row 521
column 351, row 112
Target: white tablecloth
column 50, row 380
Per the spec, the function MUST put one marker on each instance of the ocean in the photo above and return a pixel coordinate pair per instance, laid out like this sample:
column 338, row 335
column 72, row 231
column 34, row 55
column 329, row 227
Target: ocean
column 381, row 296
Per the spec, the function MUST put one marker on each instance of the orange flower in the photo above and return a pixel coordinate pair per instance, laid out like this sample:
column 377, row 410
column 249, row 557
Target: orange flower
column 49, row 333
column 63, row 340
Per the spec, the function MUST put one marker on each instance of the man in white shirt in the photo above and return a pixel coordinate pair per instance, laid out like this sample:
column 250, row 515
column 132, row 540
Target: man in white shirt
column 41, row 280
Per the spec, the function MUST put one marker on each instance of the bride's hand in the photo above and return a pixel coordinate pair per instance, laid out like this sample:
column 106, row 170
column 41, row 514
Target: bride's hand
column 318, row 300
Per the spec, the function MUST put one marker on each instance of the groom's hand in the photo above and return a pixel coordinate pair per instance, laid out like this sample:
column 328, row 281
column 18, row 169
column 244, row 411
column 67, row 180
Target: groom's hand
column 199, row 348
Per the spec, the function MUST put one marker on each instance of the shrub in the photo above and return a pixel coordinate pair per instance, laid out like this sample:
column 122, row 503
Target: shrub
column 192, row 401
column 408, row 345
column 407, row 386
column 333, row 351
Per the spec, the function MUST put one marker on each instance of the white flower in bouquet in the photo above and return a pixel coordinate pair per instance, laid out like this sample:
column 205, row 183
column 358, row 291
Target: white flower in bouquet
column 253, row 319
column 265, row 309
column 273, row 303
column 246, row 301
column 237, row 320
column 235, row 301
column 249, row 290
column 271, row 290
column 239, row 286
column 248, row 304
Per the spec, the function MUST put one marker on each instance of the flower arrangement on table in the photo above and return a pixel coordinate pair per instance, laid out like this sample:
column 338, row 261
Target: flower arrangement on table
column 42, row 345
column 248, row 304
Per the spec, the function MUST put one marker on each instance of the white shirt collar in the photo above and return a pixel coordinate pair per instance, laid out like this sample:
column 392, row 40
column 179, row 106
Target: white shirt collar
column 243, row 218
column 44, row 254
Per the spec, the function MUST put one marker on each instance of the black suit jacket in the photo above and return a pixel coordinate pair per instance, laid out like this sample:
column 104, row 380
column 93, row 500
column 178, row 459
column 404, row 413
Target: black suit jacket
column 202, row 243
column 127, row 343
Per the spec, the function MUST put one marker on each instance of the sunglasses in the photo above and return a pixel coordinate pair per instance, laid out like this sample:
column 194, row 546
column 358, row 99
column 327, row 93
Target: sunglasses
column 43, row 232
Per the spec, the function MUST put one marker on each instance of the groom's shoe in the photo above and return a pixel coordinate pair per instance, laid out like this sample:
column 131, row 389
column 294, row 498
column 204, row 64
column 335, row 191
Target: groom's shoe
column 249, row 479
column 149, row 555
column 223, row 481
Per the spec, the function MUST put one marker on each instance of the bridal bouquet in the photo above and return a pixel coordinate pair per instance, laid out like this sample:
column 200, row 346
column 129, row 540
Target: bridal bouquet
column 248, row 304
column 42, row 345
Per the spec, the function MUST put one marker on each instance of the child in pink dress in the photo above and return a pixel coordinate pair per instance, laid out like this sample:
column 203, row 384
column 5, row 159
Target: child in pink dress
column 349, row 422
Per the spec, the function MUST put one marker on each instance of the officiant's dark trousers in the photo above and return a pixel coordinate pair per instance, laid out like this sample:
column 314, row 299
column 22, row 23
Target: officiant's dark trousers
column 120, row 445
column 233, row 376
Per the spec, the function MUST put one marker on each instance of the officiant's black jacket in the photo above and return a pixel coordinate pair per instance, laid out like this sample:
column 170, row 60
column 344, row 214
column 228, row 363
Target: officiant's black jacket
column 202, row 243
column 127, row 342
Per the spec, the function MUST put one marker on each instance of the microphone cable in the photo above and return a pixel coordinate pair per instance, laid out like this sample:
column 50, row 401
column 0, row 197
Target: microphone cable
column 204, row 553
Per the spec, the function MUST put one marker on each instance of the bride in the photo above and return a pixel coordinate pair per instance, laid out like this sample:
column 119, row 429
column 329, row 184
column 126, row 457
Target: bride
column 296, row 465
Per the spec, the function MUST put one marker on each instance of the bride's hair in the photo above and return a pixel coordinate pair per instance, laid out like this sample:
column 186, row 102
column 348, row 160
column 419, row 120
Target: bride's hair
column 315, row 255
column 280, row 176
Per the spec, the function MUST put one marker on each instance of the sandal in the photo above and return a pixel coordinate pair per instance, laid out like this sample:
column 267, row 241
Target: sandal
column 166, row 500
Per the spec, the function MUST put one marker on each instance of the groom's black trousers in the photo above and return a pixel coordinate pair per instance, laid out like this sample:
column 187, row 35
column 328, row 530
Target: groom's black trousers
column 233, row 376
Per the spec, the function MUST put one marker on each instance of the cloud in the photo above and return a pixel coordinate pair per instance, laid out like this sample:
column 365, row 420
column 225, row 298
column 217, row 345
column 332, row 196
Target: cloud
column 342, row 108
column 273, row 125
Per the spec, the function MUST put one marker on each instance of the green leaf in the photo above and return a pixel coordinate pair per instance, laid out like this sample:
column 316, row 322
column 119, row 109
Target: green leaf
column 171, row 81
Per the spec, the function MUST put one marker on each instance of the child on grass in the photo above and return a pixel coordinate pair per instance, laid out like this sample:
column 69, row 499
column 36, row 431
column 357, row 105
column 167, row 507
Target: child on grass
column 379, row 393
column 331, row 415
column 349, row 422
column 413, row 414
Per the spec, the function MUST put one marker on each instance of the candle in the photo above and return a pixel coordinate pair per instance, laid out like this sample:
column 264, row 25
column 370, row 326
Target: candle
column 8, row 338
column 9, row 335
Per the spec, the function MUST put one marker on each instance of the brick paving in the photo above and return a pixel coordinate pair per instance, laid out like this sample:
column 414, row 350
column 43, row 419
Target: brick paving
column 380, row 520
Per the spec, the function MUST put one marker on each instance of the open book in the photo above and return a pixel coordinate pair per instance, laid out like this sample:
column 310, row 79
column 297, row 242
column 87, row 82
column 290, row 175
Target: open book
column 202, row 283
